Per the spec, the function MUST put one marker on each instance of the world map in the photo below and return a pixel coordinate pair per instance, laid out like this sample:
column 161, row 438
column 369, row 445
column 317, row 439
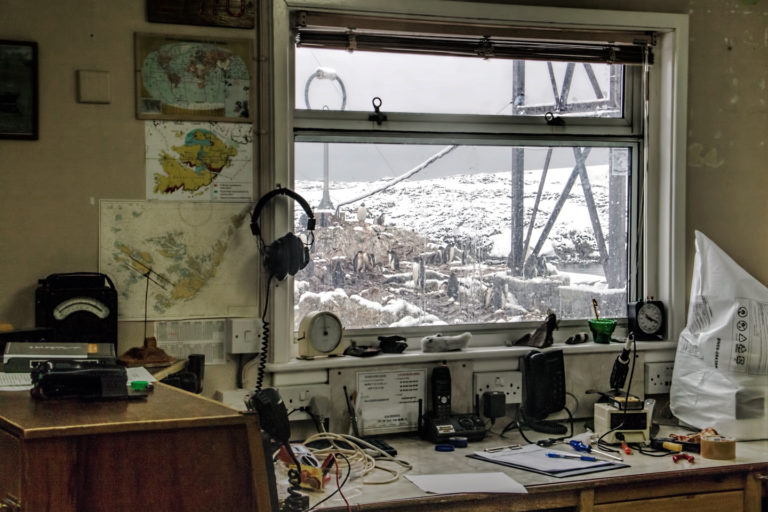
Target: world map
column 179, row 260
column 199, row 161
column 193, row 78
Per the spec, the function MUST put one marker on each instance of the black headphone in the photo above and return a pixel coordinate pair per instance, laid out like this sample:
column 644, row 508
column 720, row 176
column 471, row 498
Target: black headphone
column 288, row 254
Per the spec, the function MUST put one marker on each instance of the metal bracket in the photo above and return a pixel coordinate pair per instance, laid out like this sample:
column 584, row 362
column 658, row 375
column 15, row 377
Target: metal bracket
column 377, row 116
column 10, row 504
column 553, row 120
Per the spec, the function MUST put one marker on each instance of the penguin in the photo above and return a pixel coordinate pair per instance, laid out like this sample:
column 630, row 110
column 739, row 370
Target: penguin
column 419, row 273
column 453, row 286
column 362, row 213
column 358, row 261
column 448, row 253
column 338, row 275
column 394, row 260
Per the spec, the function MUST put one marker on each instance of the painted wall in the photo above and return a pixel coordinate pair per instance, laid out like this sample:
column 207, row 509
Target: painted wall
column 50, row 188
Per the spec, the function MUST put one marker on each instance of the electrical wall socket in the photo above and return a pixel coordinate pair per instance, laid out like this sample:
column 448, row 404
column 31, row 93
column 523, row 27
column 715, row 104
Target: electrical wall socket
column 315, row 397
column 509, row 382
column 658, row 377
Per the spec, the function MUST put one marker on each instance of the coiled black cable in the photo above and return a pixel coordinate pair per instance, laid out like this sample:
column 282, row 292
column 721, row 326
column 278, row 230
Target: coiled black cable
column 264, row 339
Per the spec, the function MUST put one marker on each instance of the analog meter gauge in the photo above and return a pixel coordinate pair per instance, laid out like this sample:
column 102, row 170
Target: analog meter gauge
column 647, row 320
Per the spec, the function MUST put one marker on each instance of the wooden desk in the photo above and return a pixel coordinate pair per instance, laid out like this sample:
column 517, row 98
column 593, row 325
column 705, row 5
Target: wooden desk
column 648, row 485
column 173, row 451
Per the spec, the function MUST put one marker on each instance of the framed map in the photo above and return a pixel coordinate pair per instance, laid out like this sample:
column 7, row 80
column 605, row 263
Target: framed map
column 18, row 90
column 193, row 79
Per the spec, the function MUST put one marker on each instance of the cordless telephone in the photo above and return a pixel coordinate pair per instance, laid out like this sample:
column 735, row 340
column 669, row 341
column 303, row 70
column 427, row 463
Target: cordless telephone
column 440, row 423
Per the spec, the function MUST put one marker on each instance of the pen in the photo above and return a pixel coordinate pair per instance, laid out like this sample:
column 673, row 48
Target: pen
column 500, row 448
column 588, row 458
column 604, row 454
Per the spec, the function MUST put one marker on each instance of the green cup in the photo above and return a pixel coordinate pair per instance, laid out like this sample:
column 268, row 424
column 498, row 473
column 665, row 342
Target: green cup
column 602, row 329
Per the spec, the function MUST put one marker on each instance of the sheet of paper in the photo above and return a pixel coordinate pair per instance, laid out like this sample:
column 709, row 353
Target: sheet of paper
column 388, row 402
column 180, row 338
column 139, row 373
column 467, row 482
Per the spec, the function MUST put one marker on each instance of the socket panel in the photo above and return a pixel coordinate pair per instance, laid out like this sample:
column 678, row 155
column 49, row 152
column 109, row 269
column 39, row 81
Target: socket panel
column 509, row 382
column 243, row 335
column 658, row 377
column 317, row 397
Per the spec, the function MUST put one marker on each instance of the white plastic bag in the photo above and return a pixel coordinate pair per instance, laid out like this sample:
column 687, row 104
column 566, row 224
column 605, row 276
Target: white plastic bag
column 720, row 377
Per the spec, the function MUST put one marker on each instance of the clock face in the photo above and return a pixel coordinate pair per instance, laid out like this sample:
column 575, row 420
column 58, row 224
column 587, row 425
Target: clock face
column 649, row 318
column 325, row 332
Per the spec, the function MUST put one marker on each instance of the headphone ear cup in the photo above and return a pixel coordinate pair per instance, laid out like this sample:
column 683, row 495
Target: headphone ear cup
column 286, row 255
column 276, row 260
column 295, row 250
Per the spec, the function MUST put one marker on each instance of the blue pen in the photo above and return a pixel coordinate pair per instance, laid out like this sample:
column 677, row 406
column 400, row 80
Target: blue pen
column 588, row 458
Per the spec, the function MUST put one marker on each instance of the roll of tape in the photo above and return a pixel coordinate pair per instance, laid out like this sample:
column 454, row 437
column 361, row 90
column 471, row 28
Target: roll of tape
column 718, row 448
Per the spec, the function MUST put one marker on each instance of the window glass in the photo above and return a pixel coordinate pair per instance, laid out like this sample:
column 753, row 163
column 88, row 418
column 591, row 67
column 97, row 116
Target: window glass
column 422, row 234
column 341, row 80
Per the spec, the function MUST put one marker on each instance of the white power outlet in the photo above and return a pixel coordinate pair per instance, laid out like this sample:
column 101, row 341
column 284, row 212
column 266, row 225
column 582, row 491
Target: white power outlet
column 658, row 377
column 510, row 383
column 315, row 397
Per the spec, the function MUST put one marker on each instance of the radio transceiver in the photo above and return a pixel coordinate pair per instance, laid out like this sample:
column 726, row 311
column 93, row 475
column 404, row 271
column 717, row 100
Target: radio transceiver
column 633, row 424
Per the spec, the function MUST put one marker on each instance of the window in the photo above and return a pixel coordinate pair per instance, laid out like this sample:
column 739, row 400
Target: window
column 463, row 175
column 476, row 231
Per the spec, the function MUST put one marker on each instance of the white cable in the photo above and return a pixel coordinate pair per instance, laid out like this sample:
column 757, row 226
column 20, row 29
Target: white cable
column 353, row 451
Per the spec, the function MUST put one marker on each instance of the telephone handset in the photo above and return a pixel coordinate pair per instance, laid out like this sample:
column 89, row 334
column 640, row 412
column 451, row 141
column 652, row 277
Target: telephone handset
column 543, row 383
column 272, row 414
column 441, row 391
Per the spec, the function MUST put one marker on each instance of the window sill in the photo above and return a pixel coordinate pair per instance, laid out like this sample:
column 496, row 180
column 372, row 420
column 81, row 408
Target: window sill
column 473, row 353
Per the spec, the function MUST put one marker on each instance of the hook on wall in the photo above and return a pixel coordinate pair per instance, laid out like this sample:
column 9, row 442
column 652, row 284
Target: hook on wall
column 377, row 116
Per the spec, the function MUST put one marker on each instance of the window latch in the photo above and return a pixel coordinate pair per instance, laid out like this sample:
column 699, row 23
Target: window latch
column 377, row 116
column 553, row 120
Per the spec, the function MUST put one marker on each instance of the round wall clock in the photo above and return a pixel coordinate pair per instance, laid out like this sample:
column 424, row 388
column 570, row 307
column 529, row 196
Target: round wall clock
column 320, row 334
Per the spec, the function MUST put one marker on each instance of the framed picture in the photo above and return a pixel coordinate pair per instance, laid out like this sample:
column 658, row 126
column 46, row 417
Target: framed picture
column 193, row 79
column 18, row 90
column 231, row 14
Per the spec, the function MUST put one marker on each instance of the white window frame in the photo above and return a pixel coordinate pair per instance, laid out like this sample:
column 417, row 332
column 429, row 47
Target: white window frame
column 663, row 208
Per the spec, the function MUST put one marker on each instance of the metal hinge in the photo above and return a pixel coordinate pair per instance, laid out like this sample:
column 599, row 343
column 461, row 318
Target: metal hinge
column 10, row 504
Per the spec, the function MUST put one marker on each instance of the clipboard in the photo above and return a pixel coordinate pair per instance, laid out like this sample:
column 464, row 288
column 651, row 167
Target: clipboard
column 534, row 458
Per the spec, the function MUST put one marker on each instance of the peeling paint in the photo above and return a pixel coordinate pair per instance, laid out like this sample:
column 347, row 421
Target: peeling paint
column 698, row 157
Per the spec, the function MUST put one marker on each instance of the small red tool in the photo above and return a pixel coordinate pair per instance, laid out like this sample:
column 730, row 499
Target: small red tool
column 685, row 456
column 625, row 447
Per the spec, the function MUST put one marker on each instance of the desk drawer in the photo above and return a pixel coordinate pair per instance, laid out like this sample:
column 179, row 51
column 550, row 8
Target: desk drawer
column 10, row 469
column 732, row 501
column 678, row 485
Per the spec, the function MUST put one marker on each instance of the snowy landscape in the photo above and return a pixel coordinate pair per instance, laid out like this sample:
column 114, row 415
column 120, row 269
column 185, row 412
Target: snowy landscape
column 434, row 251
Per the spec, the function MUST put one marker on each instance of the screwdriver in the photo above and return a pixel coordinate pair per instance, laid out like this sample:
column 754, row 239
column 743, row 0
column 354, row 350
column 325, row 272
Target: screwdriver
column 581, row 447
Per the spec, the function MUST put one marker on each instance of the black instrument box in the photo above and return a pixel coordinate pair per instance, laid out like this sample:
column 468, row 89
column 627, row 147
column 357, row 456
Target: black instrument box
column 79, row 307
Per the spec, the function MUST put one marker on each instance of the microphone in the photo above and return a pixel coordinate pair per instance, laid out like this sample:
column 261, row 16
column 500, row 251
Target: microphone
column 621, row 366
